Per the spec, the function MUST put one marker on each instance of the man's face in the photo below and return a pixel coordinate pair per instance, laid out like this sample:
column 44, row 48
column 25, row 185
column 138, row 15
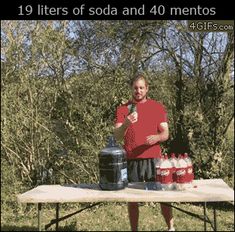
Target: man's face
column 139, row 90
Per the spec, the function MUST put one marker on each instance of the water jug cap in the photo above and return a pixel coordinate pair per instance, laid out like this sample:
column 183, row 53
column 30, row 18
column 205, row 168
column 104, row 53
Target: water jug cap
column 111, row 141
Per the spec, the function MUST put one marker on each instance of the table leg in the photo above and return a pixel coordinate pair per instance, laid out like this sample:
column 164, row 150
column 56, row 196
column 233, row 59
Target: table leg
column 39, row 216
column 57, row 216
column 215, row 222
column 205, row 217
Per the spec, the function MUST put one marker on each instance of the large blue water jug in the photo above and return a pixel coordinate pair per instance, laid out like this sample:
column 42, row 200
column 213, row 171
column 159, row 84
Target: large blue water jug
column 112, row 166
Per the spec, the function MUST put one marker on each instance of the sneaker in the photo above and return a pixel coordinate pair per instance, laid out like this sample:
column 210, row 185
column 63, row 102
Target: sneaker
column 172, row 229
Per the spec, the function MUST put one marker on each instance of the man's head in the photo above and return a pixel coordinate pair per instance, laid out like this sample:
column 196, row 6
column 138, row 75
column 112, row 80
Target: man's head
column 139, row 87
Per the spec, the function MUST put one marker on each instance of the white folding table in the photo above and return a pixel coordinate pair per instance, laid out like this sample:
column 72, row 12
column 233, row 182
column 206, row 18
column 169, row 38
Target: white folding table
column 204, row 191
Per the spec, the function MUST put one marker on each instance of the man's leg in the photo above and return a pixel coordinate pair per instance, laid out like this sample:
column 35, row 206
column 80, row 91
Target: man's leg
column 133, row 211
column 167, row 214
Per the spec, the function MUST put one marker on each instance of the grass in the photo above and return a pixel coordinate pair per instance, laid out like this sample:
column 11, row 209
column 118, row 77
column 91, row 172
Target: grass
column 114, row 217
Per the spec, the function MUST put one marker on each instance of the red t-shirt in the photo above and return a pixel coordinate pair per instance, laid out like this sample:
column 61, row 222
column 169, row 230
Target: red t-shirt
column 150, row 115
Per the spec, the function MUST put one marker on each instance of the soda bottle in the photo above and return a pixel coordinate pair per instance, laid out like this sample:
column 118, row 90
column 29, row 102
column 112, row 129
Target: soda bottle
column 173, row 161
column 132, row 108
column 181, row 177
column 190, row 174
column 166, row 174
column 158, row 173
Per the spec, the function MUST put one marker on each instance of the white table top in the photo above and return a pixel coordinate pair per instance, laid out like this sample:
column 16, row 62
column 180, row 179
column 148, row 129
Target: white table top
column 207, row 190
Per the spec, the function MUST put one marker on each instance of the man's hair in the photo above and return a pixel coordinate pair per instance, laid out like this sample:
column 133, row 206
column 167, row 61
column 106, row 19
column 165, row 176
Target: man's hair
column 138, row 77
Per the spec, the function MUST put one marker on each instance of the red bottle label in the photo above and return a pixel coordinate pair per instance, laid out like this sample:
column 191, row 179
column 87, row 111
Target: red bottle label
column 190, row 175
column 158, row 175
column 166, row 175
column 181, row 175
column 174, row 174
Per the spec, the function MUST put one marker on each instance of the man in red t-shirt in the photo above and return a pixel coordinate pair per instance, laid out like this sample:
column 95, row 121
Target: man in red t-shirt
column 142, row 123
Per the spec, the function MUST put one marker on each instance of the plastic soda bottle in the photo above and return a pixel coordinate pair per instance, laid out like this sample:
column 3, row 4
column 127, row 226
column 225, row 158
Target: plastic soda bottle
column 190, row 174
column 158, row 173
column 181, row 170
column 173, row 161
column 166, row 174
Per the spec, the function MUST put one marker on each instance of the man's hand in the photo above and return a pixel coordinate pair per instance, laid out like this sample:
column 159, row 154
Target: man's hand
column 120, row 128
column 160, row 137
column 152, row 139
column 132, row 118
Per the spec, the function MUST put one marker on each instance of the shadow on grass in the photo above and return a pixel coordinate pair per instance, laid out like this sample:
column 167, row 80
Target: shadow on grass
column 18, row 228
column 224, row 206
column 71, row 227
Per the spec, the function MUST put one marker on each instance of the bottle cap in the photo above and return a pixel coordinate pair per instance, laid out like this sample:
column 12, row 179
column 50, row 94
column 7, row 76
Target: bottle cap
column 172, row 155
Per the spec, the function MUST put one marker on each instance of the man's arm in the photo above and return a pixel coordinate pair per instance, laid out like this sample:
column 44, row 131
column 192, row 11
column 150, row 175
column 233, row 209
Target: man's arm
column 120, row 128
column 160, row 137
column 119, row 131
